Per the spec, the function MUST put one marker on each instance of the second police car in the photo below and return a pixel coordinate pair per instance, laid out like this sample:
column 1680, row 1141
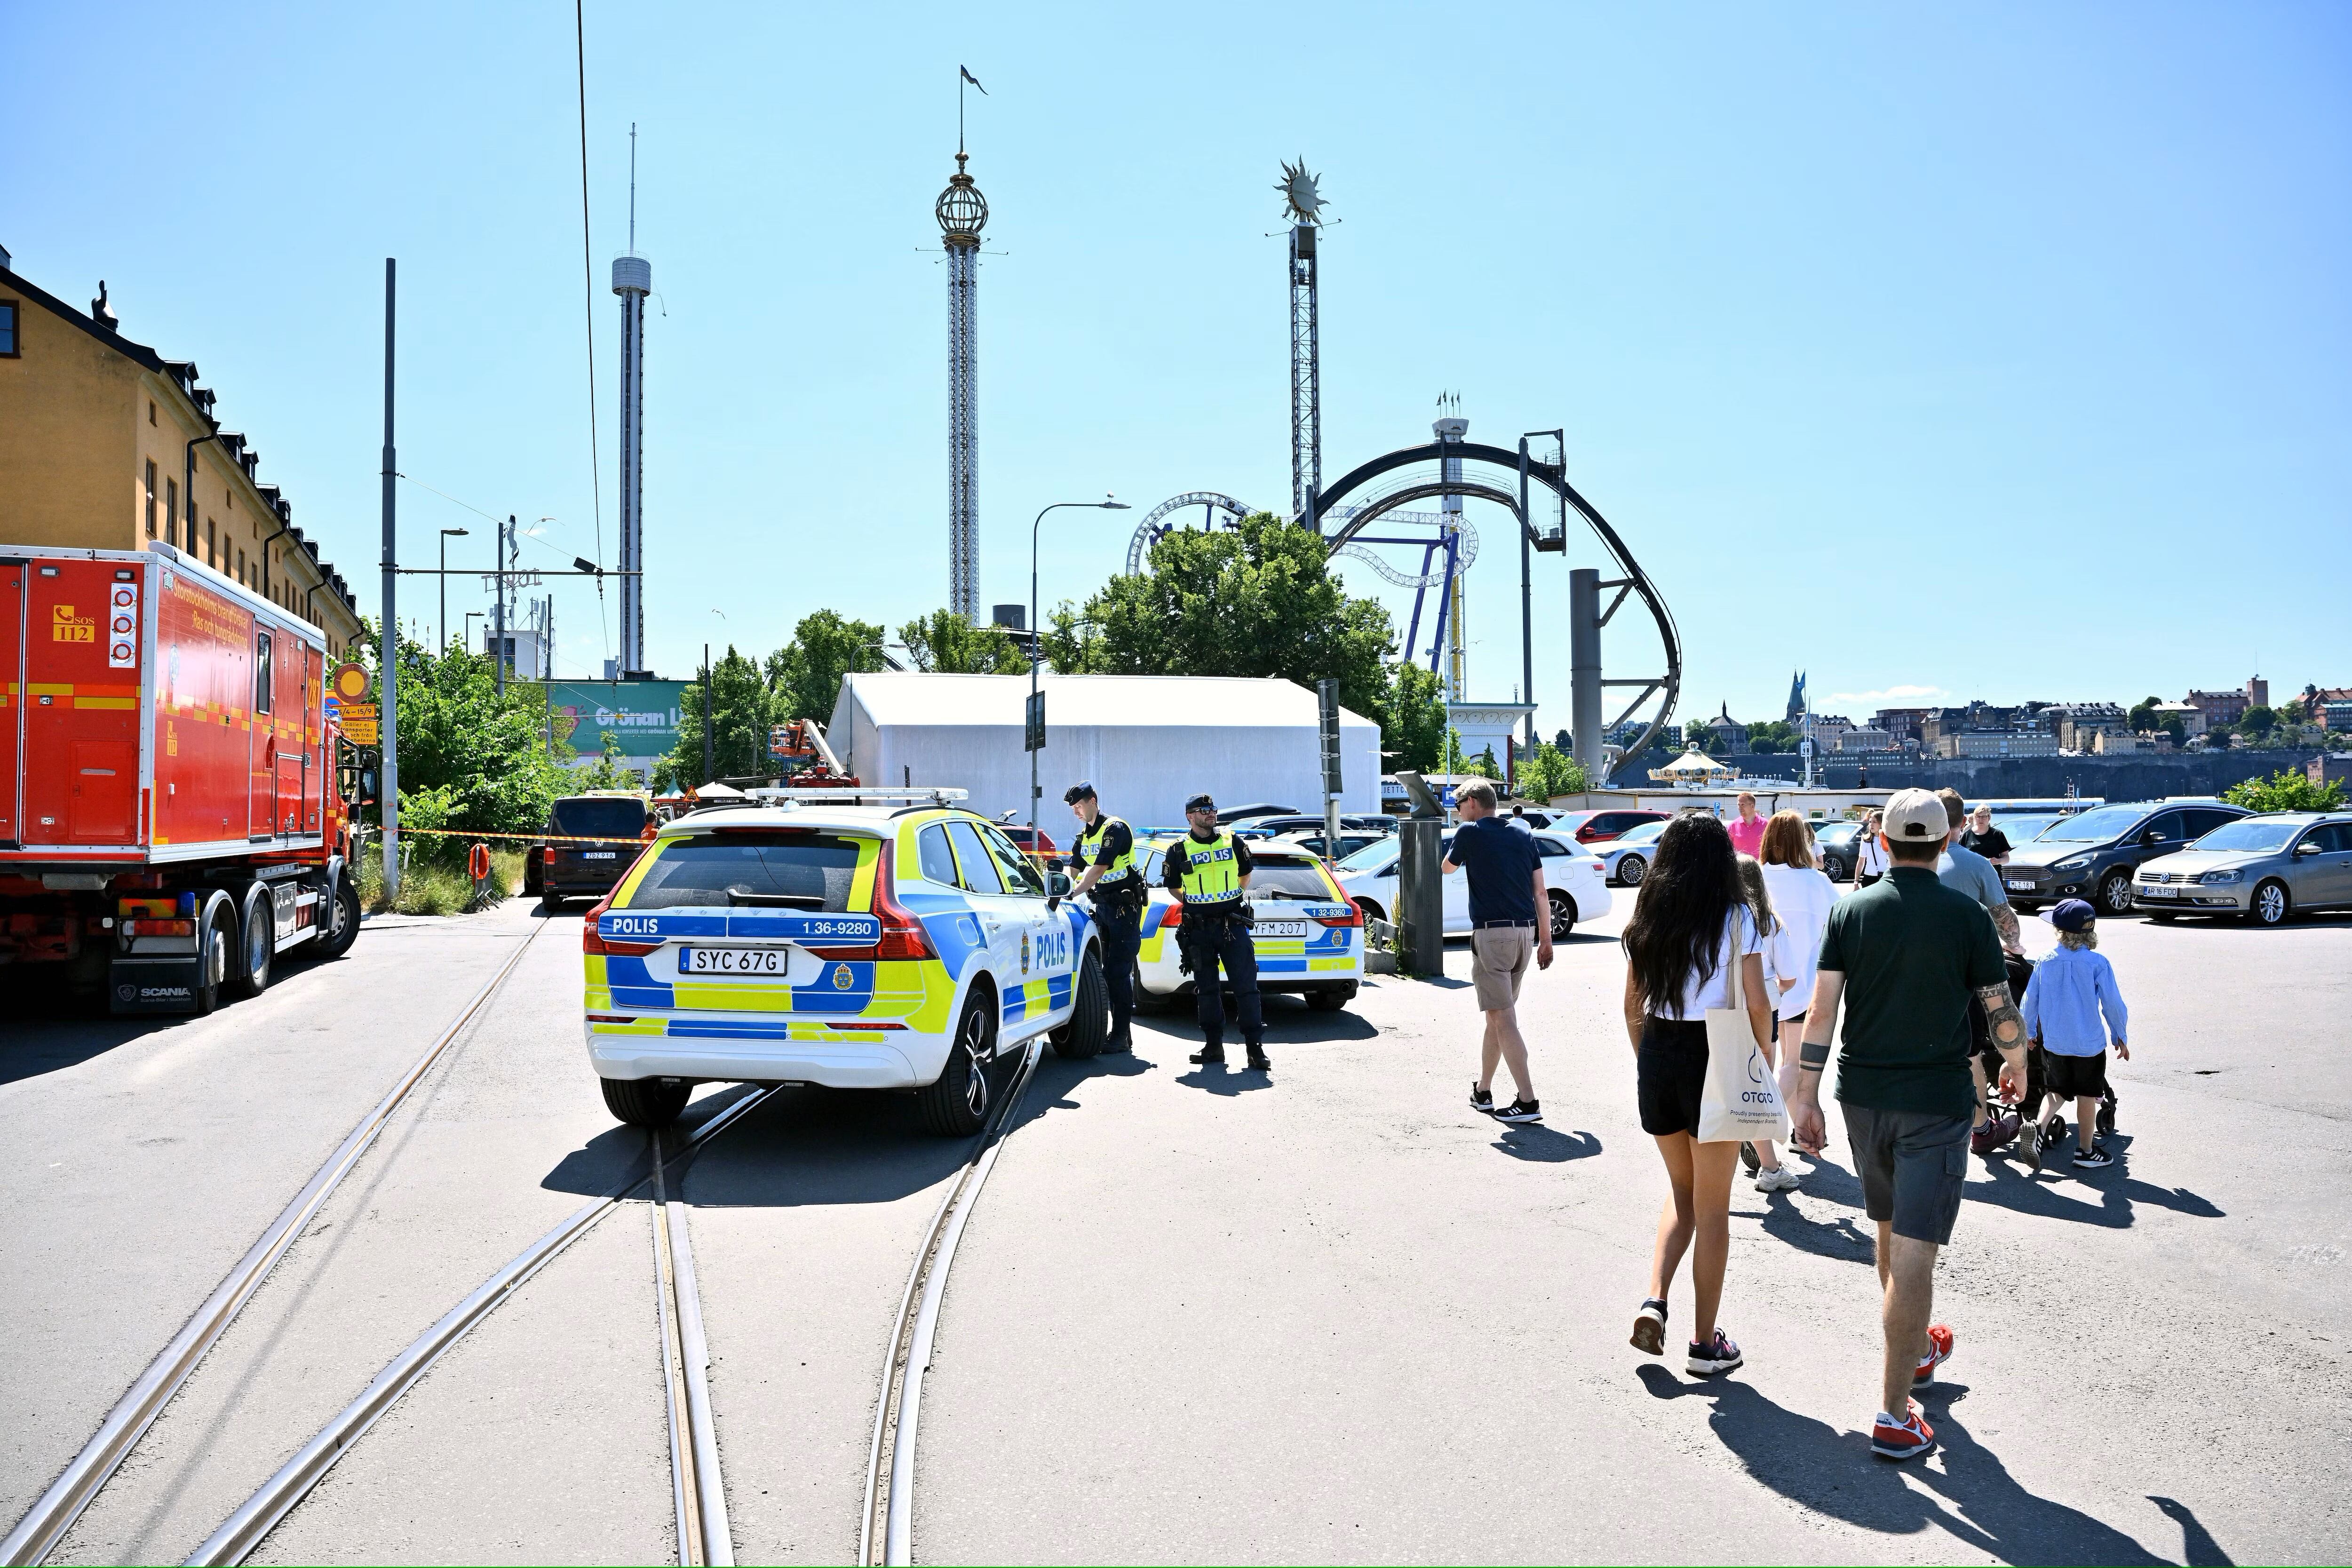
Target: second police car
column 1309, row 938
column 852, row 947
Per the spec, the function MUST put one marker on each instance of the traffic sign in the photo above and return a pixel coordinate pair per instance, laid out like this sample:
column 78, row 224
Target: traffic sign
column 334, row 708
column 362, row 731
column 350, row 683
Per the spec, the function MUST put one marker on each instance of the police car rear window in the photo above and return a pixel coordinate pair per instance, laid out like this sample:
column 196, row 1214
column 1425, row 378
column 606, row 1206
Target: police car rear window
column 1290, row 879
column 599, row 818
column 755, row 870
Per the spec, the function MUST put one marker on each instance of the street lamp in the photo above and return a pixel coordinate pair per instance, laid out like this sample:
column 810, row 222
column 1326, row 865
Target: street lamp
column 466, row 630
column 1035, row 650
column 447, row 534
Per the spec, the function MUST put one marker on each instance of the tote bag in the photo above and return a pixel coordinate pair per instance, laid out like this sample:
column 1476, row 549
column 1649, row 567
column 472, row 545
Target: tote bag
column 1739, row 1103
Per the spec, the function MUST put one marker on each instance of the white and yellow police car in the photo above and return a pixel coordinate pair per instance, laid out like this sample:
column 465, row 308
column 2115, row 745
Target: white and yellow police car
column 853, row 947
column 1309, row 937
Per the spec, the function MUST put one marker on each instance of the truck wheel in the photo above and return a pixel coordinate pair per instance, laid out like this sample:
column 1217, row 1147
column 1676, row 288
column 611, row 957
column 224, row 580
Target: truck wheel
column 1090, row 1024
column 213, row 949
column 955, row 1105
column 644, row 1101
column 257, row 946
column 342, row 918
column 1331, row 998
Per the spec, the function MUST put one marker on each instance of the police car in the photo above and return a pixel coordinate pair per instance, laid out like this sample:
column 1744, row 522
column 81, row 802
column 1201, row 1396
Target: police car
column 1309, row 939
column 854, row 947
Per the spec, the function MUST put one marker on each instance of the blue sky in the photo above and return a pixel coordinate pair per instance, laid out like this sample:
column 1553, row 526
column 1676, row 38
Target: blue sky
column 2000, row 351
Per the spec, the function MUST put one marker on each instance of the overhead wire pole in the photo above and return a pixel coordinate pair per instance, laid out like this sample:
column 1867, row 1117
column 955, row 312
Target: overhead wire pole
column 588, row 306
column 388, row 783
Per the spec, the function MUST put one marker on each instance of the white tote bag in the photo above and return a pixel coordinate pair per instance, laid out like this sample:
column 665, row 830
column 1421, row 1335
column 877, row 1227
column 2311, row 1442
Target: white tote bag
column 1739, row 1103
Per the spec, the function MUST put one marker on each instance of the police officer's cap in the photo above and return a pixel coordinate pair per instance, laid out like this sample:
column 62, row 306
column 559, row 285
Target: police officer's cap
column 1077, row 791
column 1201, row 803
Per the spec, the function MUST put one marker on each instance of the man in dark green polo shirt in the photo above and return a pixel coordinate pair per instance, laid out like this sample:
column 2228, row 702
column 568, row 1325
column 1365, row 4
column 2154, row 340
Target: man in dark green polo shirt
column 1906, row 956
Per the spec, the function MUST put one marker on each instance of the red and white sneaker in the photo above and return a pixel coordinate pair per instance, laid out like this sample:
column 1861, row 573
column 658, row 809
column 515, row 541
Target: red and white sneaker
column 1905, row 1439
column 1940, row 1337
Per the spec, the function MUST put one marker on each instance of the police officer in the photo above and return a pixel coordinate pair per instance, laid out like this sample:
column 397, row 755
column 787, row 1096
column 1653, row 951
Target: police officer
column 1102, row 858
column 1208, row 869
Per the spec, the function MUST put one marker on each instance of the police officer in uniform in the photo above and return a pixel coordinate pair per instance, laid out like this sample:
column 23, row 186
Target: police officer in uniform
column 1102, row 860
column 1207, row 869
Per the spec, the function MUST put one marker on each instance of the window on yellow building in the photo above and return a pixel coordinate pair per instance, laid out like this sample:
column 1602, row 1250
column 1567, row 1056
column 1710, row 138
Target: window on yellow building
column 7, row 329
column 150, row 411
column 171, row 513
column 151, row 493
column 212, row 541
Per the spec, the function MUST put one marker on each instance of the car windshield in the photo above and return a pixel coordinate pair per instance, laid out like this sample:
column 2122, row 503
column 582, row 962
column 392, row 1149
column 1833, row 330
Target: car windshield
column 1288, row 879
column 2249, row 837
column 1836, row 832
column 1641, row 835
column 593, row 818
column 2094, row 826
column 760, row 870
column 1372, row 856
column 2022, row 830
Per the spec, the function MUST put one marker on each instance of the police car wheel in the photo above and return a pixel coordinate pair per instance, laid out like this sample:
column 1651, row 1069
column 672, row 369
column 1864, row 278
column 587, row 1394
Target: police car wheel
column 256, row 927
column 645, row 1101
column 955, row 1105
column 1089, row 1026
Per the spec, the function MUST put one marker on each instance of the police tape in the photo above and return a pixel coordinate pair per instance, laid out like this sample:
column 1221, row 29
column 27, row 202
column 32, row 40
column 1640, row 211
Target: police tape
column 405, row 831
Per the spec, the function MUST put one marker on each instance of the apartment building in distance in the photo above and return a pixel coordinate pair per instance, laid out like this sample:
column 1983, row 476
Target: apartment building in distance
column 106, row 444
column 2223, row 709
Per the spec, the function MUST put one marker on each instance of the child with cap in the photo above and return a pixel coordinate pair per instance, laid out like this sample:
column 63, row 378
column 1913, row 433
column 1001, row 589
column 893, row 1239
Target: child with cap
column 2071, row 993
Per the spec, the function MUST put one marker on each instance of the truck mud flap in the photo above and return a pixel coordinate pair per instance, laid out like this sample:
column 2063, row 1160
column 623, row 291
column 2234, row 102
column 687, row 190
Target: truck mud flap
column 153, row 985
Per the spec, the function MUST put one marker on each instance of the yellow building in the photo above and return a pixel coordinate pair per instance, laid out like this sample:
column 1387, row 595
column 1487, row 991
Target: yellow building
column 105, row 444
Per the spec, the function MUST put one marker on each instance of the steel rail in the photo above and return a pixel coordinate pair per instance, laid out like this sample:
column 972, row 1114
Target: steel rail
column 246, row 1529
column 46, row 1523
column 911, row 1341
column 697, row 1484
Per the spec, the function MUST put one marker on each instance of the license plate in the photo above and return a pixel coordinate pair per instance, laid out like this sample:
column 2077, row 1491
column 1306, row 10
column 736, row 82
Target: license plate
column 600, row 854
column 2159, row 892
column 2016, row 886
column 1281, row 928
column 734, row 960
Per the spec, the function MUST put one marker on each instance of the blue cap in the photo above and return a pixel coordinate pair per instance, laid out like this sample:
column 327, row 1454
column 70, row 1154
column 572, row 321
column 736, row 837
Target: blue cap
column 2071, row 915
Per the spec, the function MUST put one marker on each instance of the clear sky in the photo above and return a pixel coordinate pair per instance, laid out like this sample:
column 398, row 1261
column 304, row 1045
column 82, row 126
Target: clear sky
column 2001, row 351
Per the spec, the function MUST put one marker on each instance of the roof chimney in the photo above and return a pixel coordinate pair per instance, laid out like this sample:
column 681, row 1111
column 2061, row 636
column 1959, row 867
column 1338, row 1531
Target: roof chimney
column 97, row 311
column 5, row 260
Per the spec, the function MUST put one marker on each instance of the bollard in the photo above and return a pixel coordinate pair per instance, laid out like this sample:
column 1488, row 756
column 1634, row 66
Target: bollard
column 1421, row 898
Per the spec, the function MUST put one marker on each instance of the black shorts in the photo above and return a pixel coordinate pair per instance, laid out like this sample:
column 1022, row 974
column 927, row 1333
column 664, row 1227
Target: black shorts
column 2075, row 1078
column 1672, row 1070
column 1913, row 1165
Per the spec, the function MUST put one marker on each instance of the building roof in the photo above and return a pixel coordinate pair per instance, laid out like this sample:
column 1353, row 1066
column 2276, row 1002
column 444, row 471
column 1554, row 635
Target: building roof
column 1106, row 701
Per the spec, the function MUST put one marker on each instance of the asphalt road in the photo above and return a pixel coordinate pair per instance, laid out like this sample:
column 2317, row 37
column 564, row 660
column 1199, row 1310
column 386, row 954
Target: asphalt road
column 1198, row 1315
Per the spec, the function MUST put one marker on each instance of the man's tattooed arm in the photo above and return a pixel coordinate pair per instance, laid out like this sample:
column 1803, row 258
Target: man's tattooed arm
column 2008, row 1028
column 2004, row 921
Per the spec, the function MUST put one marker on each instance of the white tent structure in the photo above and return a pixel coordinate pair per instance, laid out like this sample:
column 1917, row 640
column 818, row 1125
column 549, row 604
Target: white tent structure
column 1146, row 742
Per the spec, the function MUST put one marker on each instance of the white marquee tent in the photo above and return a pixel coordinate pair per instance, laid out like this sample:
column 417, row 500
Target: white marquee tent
column 1147, row 742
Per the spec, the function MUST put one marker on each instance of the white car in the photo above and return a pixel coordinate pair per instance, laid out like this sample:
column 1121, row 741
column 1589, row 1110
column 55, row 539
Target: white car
column 1309, row 937
column 1572, row 878
column 854, row 947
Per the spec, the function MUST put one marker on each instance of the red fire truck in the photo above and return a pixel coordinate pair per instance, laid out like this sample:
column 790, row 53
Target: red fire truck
column 170, row 815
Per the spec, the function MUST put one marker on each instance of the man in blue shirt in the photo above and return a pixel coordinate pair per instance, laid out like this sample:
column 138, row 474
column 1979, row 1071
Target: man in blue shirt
column 1509, row 921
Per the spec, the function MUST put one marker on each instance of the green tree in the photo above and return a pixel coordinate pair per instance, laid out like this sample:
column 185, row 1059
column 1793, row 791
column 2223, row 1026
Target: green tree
column 743, row 706
column 1551, row 773
column 1774, row 735
column 2259, row 719
column 945, row 642
column 2285, row 790
column 806, row 672
column 605, row 772
column 1412, row 721
column 2143, row 715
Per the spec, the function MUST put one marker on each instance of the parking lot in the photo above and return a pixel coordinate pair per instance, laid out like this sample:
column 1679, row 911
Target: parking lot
column 1197, row 1314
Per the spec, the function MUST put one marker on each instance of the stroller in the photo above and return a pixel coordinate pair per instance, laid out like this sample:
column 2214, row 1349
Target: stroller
column 2011, row 1127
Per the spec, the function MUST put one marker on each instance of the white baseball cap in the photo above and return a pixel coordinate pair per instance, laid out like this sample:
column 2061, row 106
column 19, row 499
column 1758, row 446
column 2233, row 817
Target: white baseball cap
column 1915, row 817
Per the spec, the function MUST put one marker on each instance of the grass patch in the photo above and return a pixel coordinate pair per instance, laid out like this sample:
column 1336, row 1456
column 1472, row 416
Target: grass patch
column 430, row 888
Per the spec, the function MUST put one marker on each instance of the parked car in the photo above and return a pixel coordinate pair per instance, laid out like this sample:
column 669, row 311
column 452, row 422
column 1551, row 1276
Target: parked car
column 1309, row 938
column 1625, row 860
column 2262, row 869
column 591, row 841
column 1233, row 814
column 1035, row 841
column 2095, row 854
column 1303, row 822
column 1590, row 827
column 1312, row 843
column 2025, row 828
column 1572, row 878
column 1838, row 846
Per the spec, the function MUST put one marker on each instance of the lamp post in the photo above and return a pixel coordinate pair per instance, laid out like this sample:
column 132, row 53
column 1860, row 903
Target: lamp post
column 1035, row 650
column 447, row 534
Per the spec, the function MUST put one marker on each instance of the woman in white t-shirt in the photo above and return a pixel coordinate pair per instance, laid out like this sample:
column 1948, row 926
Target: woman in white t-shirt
column 1692, row 946
column 1801, row 899
column 1869, row 858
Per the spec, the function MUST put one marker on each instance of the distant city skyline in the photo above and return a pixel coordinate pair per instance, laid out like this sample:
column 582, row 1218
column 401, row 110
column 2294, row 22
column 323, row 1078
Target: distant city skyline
column 1993, row 356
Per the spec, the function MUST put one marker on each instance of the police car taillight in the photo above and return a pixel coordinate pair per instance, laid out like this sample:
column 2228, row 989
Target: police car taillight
column 593, row 941
column 1174, row 917
column 903, row 935
column 1354, row 917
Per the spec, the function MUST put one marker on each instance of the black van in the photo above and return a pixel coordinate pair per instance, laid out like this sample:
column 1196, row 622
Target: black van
column 566, row 868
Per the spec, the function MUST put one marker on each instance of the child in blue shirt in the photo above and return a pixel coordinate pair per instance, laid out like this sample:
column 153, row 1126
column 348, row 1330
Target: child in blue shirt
column 2073, row 1011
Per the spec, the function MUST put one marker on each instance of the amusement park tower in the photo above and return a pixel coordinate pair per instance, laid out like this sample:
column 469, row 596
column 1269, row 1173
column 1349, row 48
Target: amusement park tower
column 633, row 279
column 962, row 213
column 1305, row 207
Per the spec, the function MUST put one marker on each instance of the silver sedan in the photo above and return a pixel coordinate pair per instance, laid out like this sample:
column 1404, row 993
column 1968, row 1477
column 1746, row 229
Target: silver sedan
column 1625, row 860
column 2261, row 869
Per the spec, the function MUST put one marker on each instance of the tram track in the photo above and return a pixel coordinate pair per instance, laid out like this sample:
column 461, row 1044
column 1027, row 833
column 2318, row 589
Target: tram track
column 45, row 1524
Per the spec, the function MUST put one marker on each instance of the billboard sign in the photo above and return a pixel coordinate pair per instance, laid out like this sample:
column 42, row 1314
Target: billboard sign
column 640, row 717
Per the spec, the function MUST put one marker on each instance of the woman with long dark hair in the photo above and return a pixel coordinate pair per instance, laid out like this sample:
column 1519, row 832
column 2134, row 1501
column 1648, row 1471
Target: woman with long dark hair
column 1692, row 946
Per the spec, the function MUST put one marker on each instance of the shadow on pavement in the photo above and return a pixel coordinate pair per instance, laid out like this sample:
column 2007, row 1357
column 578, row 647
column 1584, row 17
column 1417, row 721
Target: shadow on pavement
column 2109, row 1196
column 1227, row 1079
column 1545, row 1145
column 1834, row 1473
column 2197, row 1547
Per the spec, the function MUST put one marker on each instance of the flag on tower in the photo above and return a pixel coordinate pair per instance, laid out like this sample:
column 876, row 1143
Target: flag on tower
column 973, row 80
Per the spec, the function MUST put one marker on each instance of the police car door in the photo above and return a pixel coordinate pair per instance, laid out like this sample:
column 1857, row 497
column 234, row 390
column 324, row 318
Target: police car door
column 1049, row 955
column 1003, row 918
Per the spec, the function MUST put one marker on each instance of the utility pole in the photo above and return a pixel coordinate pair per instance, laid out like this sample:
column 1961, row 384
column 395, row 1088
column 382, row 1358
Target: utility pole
column 388, row 785
column 499, row 638
column 709, row 762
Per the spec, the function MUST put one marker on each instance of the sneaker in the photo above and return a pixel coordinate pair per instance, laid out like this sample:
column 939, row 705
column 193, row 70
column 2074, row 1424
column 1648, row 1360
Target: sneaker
column 1941, row 1338
column 1482, row 1100
column 1985, row 1137
column 1748, row 1158
column 2093, row 1159
column 1905, row 1439
column 1212, row 1056
column 1650, row 1328
column 1718, row 1355
column 1780, row 1180
column 1520, row 1110
column 2029, row 1147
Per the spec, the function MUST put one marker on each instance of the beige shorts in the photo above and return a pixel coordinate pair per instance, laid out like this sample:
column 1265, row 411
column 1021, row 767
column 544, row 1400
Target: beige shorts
column 1499, row 961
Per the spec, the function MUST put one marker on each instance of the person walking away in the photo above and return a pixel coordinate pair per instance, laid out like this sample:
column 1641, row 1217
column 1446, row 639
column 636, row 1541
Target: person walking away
column 1748, row 828
column 1208, row 869
column 1904, row 957
column 1801, row 900
column 1102, row 861
column 1762, row 1161
column 1510, row 922
column 1691, row 945
column 1985, row 838
column 1870, row 858
column 2074, row 1011
column 1965, row 871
